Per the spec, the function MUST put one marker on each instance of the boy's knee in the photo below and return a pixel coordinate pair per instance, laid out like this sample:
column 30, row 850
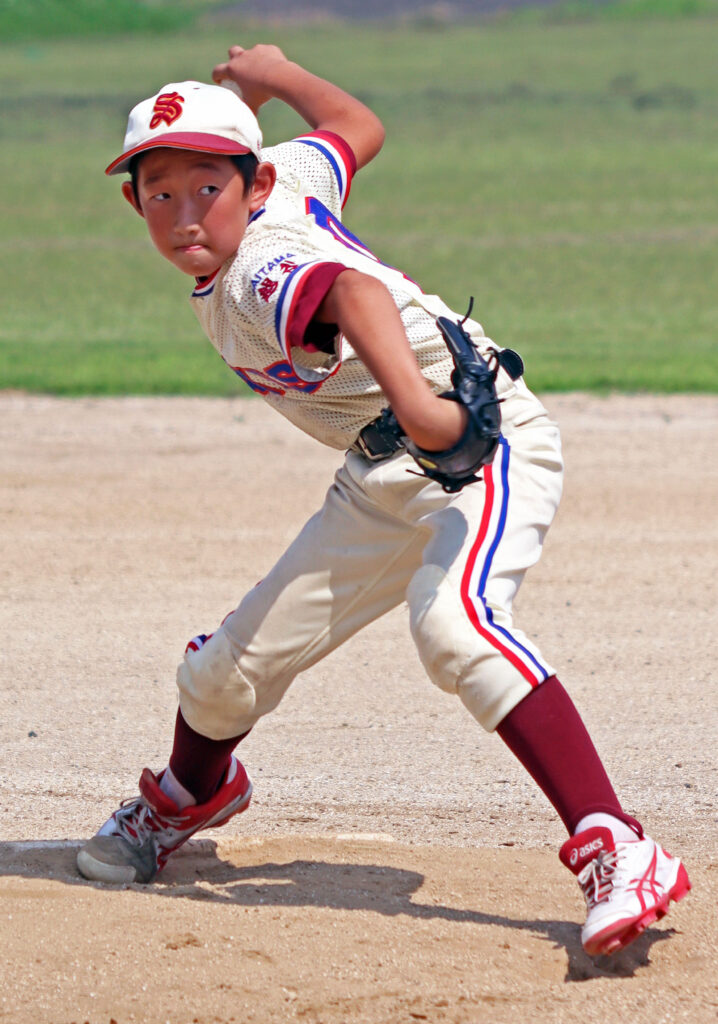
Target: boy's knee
column 216, row 698
column 457, row 658
column 443, row 637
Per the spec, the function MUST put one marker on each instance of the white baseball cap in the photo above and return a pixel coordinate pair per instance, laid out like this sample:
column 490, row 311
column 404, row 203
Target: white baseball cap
column 190, row 115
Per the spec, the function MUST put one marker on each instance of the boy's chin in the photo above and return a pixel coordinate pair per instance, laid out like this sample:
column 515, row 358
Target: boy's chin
column 200, row 265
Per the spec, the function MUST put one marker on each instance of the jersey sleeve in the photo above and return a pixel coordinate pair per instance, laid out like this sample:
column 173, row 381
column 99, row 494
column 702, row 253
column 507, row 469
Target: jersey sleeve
column 323, row 162
column 292, row 305
column 274, row 294
column 301, row 297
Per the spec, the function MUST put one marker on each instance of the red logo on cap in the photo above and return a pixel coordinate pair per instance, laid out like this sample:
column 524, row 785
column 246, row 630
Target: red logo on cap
column 167, row 108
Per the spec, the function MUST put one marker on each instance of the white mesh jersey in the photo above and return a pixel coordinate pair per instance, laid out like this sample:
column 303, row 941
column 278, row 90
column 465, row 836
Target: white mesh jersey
column 257, row 309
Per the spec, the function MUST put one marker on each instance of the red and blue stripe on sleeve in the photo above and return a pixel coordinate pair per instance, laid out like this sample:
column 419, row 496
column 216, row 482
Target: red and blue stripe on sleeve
column 339, row 155
column 299, row 300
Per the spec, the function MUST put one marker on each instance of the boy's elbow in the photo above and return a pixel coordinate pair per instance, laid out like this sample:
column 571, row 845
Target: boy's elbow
column 360, row 128
column 371, row 142
column 377, row 134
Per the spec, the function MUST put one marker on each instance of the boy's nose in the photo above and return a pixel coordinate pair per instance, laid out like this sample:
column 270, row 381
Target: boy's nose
column 186, row 219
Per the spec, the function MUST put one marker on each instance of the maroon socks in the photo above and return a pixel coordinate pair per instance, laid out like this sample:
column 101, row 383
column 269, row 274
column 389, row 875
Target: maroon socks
column 546, row 733
column 199, row 763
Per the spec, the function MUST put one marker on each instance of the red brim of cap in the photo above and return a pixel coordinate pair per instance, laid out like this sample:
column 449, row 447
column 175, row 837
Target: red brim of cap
column 196, row 141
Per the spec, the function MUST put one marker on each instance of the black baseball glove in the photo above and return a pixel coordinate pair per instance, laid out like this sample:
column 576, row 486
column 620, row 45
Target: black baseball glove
column 474, row 386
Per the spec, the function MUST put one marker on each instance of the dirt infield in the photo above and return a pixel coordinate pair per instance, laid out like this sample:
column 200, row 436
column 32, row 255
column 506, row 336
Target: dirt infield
column 395, row 865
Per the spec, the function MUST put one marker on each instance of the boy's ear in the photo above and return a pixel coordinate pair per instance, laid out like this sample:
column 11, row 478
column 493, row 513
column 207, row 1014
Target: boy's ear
column 263, row 184
column 129, row 193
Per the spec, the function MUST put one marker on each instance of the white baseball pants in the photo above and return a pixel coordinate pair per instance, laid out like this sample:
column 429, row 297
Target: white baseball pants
column 385, row 535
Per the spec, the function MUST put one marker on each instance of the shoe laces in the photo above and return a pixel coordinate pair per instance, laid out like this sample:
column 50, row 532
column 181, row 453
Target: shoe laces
column 136, row 821
column 597, row 877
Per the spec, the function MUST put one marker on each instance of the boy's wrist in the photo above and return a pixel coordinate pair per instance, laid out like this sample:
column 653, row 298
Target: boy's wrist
column 433, row 423
column 283, row 80
column 298, row 88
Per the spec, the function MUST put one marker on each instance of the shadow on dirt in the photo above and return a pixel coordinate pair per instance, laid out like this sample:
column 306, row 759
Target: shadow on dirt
column 380, row 888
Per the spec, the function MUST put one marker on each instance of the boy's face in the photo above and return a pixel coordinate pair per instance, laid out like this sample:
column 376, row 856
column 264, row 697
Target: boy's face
column 195, row 206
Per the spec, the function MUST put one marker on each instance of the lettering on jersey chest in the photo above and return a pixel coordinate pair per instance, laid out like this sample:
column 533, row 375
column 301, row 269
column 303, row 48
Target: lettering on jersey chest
column 267, row 279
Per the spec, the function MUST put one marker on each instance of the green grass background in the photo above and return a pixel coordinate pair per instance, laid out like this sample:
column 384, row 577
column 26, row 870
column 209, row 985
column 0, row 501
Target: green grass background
column 562, row 169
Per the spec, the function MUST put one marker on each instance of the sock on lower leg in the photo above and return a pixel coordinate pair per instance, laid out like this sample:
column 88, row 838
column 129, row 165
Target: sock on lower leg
column 174, row 789
column 545, row 732
column 621, row 831
column 199, row 763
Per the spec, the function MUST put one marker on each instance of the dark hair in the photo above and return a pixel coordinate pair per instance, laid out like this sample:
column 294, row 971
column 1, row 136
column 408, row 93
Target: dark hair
column 246, row 164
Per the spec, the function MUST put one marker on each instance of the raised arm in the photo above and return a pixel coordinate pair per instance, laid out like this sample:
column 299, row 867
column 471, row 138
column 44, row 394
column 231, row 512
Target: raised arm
column 263, row 73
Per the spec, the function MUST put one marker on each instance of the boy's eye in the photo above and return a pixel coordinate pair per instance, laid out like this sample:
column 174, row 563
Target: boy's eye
column 208, row 190
column 161, row 196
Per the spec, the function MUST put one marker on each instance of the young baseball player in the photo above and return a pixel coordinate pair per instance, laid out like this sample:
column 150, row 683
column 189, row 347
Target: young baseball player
column 440, row 501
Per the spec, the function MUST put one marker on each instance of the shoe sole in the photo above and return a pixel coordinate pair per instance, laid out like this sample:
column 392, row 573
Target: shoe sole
column 622, row 933
column 121, row 874
column 95, row 870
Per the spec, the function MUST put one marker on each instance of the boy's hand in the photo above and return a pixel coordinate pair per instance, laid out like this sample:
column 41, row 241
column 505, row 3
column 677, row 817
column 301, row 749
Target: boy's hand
column 253, row 71
column 263, row 73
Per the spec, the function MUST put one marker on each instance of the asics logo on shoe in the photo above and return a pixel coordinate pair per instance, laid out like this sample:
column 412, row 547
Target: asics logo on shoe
column 583, row 851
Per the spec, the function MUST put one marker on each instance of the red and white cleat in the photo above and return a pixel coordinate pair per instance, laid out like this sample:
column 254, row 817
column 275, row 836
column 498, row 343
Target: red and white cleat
column 136, row 842
column 627, row 886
